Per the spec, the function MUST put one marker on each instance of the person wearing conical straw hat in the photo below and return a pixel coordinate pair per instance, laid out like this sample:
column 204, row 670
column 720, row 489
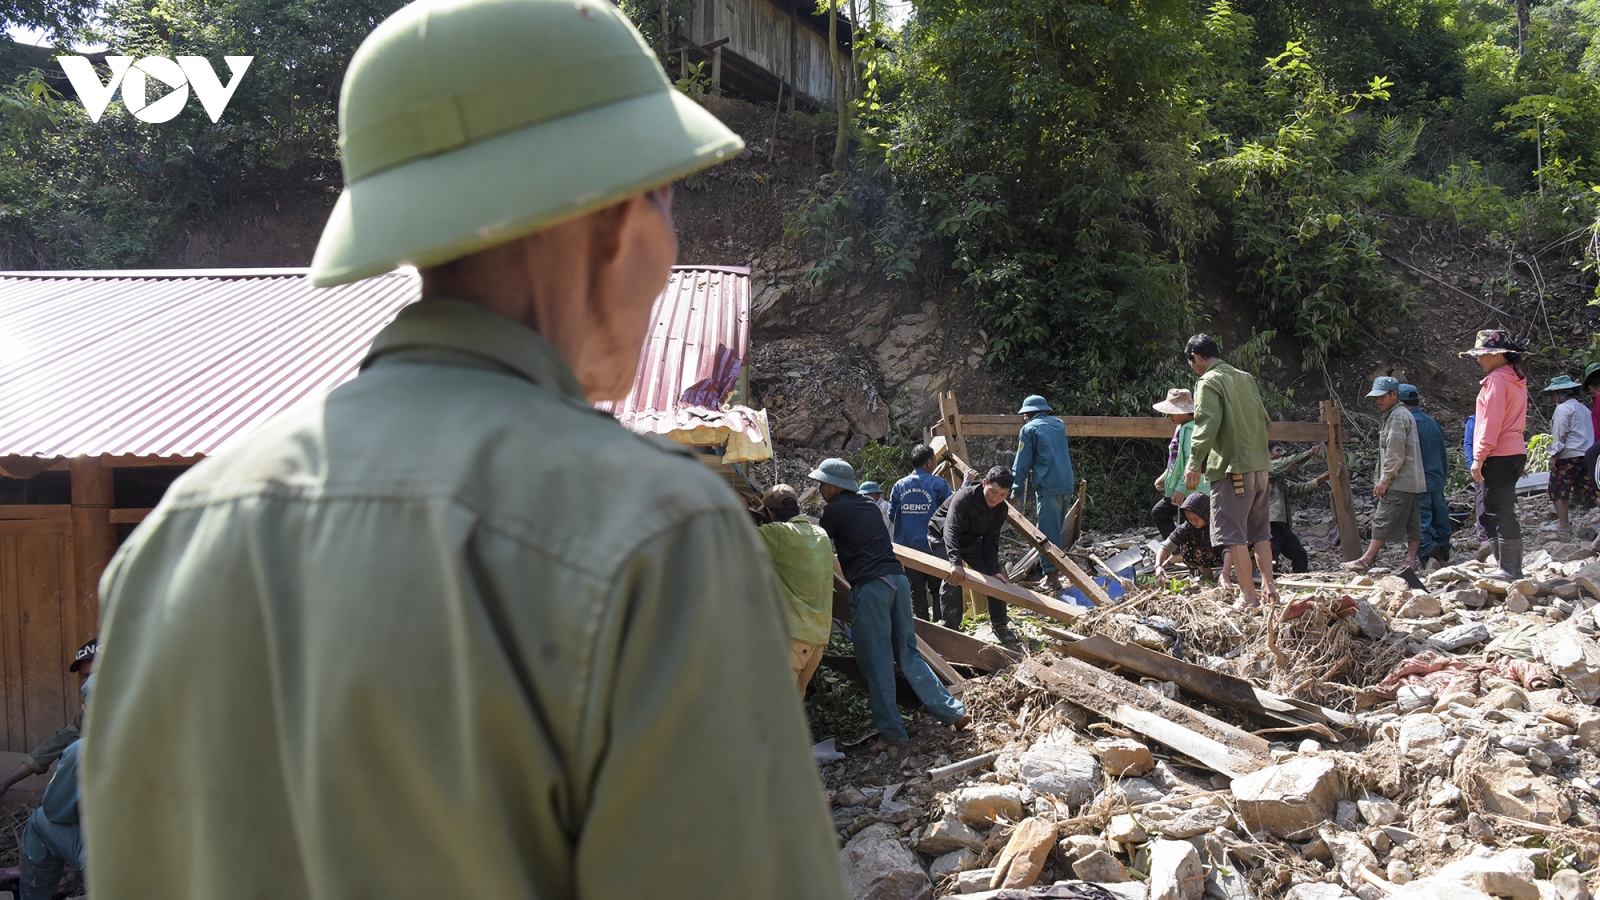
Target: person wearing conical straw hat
column 1499, row 445
column 448, row 631
column 1179, row 407
column 1571, row 434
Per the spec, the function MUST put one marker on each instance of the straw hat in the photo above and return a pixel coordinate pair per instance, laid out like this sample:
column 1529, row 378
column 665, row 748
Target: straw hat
column 464, row 124
column 1179, row 402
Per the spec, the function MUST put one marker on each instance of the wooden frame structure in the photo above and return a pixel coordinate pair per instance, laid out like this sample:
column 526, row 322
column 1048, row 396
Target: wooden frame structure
column 956, row 427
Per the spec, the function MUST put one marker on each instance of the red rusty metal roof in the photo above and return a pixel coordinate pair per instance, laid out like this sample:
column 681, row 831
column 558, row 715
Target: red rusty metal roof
column 692, row 358
column 176, row 363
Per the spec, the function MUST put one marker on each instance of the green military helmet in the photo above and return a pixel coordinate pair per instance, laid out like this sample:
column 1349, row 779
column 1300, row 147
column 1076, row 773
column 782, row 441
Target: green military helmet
column 836, row 472
column 1034, row 403
column 464, row 124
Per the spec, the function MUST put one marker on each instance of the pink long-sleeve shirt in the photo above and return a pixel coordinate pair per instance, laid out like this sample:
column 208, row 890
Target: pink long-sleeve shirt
column 1502, row 415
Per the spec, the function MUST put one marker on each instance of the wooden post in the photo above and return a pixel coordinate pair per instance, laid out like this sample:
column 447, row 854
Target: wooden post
column 93, row 542
column 1344, row 506
column 716, row 71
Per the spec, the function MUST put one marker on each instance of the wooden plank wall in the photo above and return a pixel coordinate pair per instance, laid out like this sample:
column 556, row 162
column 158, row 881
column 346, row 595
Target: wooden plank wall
column 38, row 628
column 759, row 31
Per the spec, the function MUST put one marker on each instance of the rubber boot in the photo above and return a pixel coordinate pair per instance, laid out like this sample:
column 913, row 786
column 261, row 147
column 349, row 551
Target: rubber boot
column 1510, row 559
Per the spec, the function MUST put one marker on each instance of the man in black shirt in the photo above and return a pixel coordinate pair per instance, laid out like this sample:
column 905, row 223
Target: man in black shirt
column 880, row 606
column 966, row 531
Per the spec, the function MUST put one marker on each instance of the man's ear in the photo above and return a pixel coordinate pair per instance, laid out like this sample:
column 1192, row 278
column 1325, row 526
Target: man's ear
column 610, row 225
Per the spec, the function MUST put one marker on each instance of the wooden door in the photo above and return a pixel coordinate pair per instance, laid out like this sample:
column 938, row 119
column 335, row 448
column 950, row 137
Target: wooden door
column 38, row 629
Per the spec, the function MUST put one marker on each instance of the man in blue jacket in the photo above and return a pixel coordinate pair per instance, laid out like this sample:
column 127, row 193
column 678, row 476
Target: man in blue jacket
column 1436, row 528
column 911, row 505
column 52, row 839
column 1042, row 454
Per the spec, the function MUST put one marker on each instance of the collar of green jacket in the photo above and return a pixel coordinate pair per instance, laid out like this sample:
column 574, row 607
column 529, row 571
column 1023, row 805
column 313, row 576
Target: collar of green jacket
column 446, row 323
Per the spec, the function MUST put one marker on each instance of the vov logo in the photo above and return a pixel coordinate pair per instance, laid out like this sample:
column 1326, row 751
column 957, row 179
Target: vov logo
column 133, row 77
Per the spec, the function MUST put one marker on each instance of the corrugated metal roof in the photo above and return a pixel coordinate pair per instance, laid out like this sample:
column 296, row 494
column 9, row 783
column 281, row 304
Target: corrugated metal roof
column 699, row 342
column 175, row 363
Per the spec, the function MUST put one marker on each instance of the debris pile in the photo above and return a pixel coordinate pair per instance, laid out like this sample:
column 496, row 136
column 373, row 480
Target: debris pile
column 1366, row 738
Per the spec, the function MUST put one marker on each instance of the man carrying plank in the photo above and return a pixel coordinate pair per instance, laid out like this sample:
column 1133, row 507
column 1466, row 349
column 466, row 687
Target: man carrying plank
column 804, row 562
column 1043, row 456
column 880, row 607
column 966, row 531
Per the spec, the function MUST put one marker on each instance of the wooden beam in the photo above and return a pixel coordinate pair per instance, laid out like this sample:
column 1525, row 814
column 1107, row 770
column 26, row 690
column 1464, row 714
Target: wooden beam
column 949, row 676
column 964, row 649
column 1209, row 741
column 128, row 516
column 1203, row 682
column 1129, row 427
column 1344, row 505
column 990, row 586
column 93, row 541
column 1049, row 551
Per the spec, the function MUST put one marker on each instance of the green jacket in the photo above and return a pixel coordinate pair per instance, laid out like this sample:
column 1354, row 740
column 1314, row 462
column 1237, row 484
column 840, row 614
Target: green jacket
column 1400, row 453
column 803, row 558
column 1178, row 463
column 1230, row 424
column 450, row 632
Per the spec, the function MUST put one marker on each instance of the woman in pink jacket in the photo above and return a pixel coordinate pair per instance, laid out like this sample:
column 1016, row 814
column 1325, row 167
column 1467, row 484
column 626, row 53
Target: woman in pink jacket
column 1499, row 449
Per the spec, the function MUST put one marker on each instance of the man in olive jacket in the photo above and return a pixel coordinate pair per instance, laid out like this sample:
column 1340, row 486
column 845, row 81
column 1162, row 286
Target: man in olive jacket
column 1229, row 449
column 449, row 631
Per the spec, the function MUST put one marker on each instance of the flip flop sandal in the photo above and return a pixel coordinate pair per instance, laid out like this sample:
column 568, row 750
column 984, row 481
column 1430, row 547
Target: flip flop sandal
column 1357, row 566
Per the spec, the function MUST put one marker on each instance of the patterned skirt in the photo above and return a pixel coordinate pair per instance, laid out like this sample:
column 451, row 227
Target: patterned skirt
column 1571, row 480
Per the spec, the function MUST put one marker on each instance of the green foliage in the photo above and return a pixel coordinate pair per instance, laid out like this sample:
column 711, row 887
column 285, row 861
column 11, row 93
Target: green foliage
column 76, row 193
column 1539, row 453
column 837, row 706
column 883, row 463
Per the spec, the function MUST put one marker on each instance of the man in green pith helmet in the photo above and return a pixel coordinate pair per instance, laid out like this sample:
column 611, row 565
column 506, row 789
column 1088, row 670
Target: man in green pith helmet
column 461, row 635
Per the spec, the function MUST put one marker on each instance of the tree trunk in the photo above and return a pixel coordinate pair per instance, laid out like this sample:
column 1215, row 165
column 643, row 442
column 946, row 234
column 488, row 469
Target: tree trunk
column 1522, row 24
column 841, row 144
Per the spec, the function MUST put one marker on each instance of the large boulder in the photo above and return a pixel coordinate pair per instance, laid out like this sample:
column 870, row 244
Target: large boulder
column 1061, row 770
column 1292, row 799
column 878, row 868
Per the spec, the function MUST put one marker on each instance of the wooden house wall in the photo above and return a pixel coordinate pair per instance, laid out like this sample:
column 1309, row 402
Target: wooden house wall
column 758, row 31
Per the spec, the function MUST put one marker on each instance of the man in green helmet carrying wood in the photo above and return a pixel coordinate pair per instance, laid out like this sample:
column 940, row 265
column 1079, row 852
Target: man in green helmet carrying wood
column 448, row 631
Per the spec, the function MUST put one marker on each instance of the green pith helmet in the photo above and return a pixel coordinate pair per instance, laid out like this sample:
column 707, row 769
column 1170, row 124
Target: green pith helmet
column 836, row 472
column 1034, row 403
column 464, row 124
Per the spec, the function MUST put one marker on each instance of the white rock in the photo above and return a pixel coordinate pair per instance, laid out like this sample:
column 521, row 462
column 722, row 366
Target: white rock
column 1413, row 697
column 1291, row 799
column 947, row 835
column 1435, row 888
column 987, row 802
column 1315, row 890
column 1125, row 890
column 1175, row 872
column 1122, row 756
column 953, row 863
column 1100, row 866
column 1420, row 733
column 1125, row 829
column 1399, row 872
column 1506, row 874
column 1460, row 636
column 974, row 880
column 1420, row 605
column 878, row 868
column 1379, row 811
column 1447, row 795
column 1060, row 770
column 1573, row 656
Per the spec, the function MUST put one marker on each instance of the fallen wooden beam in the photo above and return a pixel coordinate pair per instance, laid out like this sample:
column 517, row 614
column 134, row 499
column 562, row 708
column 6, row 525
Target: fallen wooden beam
column 964, row 649
column 1209, row 741
column 990, row 586
column 1203, row 682
column 1034, row 536
column 949, row 676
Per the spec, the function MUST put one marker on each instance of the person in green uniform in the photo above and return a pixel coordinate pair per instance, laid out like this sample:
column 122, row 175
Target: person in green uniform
column 803, row 558
column 448, row 631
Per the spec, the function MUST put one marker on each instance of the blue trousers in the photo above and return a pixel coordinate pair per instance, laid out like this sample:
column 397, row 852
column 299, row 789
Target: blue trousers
column 46, row 849
column 881, row 627
column 1052, row 511
column 1435, row 524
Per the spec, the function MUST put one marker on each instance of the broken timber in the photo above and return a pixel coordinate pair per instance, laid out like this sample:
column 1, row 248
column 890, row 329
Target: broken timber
column 991, row 586
column 1033, row 535
column 1211, row 742
column 1203, row 682
column 964, row 649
